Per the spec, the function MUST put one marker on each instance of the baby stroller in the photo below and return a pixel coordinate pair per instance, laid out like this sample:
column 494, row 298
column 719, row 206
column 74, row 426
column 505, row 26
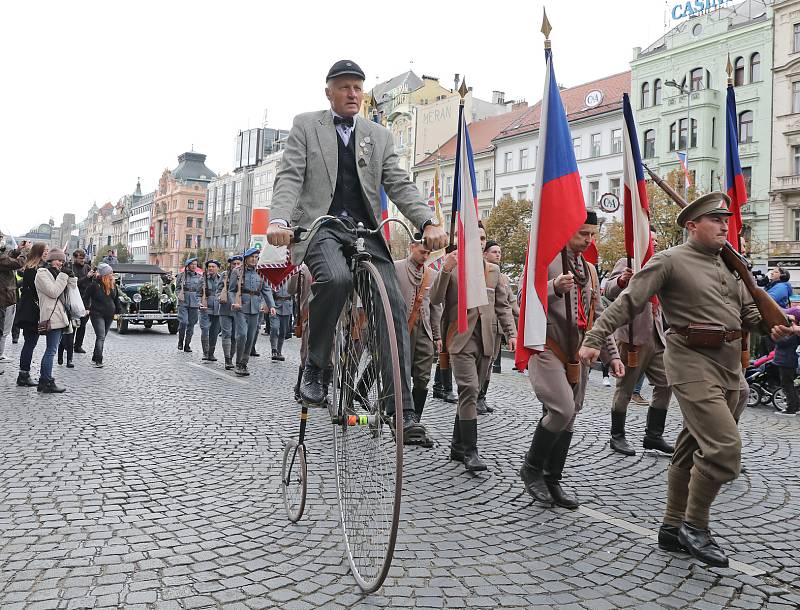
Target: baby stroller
column 764, row 380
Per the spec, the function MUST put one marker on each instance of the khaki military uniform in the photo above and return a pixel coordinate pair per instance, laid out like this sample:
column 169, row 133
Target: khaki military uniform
column 694, row 286
column 425, row 332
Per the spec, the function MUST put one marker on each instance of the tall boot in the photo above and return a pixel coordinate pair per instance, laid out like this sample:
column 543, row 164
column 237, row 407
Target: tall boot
column 447, row 383
column 204, row 346
column 188, row 339
column 618, row 442
column 654, row 433
column 555, row 468
column 419, row 395
column 482, row 406
column 181, row 335
column 438, row 388
column 456, row 448
column 469, row 439
column 297, row 385
column 226, row 350
column 532, row 471
column 212, row 347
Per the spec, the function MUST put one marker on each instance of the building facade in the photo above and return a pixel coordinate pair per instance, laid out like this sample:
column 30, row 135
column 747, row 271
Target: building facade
column 679, row 84
column 139, row 226
column 228, row 215
column 784, row 217
column 95, row 232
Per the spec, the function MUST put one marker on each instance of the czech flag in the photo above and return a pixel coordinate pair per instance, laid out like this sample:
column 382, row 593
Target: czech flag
column 734, row 179
column 471, row 279
column 638, row 242
column 684, row 167
column 558, row 212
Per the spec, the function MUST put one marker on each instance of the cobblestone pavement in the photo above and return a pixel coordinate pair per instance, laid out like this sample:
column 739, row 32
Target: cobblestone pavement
column 154, row 483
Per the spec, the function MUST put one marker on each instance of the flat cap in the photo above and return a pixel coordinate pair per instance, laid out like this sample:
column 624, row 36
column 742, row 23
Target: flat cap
column 345, row 67
column 189, row 261
column 591, row 218
column 715, row 203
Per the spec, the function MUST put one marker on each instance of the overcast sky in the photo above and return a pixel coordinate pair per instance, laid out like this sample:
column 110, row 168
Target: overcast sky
column 98, row 93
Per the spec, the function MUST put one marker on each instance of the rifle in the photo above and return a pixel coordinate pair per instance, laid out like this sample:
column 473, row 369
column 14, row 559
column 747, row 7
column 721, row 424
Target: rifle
column 770, row 311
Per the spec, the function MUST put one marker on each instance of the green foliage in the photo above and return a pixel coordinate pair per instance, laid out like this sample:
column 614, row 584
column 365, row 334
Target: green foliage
column 610, row 246
column 509, row 225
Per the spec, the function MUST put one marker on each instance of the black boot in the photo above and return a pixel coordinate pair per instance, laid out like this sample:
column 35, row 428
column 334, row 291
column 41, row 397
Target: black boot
column 438, row 388
column 618, row 442
column 482, row 399
column 60, row 355
column 186, row 347
column 24, row 380
column 456, row 447
column 654, row 434
column 419, row 395
column 701, row 545
column 181, row 335
column 469, row 440
column 49, row 387
column 311, row 386
column 447, row 381
column 554, row 470
column 668, row 539
column 480, row 404
column 297, row 385
column 532, row 471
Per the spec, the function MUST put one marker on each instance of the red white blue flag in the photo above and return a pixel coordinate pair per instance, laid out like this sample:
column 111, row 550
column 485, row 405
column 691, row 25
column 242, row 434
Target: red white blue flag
column 558, row 212
column 471, row 279
column 734, row 179
column 638, row 241
column 684, row 167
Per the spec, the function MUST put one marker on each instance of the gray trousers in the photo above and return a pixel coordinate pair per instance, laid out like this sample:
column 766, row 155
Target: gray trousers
column 278, row 327
column 333, row 282
column 246, row 333
column 187, row 318
column 209, row 329
column 651, row 363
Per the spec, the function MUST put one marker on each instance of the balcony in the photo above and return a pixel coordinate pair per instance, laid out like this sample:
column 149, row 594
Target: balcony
column 699, row 98
column 788, row 183
column 784, row 248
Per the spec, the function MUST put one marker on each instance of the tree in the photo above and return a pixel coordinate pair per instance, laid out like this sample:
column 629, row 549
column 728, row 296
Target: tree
column 203, row 254
column 509, row 225
column 610, row 246
column 122, row 254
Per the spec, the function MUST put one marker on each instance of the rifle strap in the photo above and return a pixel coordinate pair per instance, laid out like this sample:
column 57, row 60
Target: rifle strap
column 418, row 298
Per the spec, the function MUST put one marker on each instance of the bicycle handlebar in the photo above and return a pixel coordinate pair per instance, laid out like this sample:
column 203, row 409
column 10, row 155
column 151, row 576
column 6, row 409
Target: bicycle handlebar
column 359, row 230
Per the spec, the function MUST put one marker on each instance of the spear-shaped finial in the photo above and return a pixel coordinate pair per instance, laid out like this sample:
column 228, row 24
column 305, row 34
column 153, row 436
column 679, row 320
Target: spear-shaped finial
column 546, row 28
column 729, row 70
column 373, row 103
column 462, row 90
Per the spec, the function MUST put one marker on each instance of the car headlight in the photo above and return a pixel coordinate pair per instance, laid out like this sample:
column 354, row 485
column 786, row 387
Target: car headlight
column 137, row 298
column 164, row 298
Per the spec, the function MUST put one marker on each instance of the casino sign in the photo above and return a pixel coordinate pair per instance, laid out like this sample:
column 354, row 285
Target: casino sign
column 691, row 8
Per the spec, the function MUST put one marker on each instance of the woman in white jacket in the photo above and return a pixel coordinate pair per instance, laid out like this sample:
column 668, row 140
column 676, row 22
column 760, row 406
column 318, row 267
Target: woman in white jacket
column 51, row 287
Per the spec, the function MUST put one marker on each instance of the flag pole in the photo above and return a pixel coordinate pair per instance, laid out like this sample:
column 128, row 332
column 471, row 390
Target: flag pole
column 462, row 91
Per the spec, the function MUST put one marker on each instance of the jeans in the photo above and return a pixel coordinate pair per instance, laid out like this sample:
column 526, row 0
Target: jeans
column 46, row 367
column 787, row 375
column 80, row 332
column 66, row 344
column 278, row 327
column 637, row 389
column 101, row 327
column 26, row 354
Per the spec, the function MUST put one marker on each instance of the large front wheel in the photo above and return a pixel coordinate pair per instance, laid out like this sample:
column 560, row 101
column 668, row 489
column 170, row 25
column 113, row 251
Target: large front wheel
column 366, row 393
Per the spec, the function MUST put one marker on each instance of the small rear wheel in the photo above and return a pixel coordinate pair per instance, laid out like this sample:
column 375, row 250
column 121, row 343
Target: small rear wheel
column 755, row 396
column 779, row 400
column 294, row 480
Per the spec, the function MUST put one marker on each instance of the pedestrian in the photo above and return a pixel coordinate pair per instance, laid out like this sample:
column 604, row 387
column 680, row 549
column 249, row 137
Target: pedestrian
column 111, row 258
column 707, row 307
column 362, row 153
column 250, row 295
column 780, row 290
column 82, row 271
column 471, row 351
column 786, row 361
column 27, row 314
column 557, row 378
column 227, row 321
column 102, row 302
column 415, row 279
column 11, row 259
column 279, row 324
column 188, row 286
column 209, row 309
column 51, row 287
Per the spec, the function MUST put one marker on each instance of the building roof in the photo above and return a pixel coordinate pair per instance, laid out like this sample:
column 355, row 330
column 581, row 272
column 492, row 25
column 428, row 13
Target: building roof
column 481, row 134
column 574, row 100
column 192, row 166
column 408, row 80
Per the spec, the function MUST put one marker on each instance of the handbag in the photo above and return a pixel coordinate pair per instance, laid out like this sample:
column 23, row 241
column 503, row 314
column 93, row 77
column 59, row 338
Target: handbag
column 43, row 327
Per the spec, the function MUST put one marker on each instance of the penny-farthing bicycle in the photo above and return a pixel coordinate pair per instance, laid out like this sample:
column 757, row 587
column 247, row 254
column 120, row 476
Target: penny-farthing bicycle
column 365, row 395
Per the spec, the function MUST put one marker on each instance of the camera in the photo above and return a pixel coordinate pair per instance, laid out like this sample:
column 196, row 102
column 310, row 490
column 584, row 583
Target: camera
column 761, row 279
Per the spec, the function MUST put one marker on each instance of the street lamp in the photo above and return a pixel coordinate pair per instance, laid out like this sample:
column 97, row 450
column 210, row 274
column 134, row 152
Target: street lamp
column 684, row 91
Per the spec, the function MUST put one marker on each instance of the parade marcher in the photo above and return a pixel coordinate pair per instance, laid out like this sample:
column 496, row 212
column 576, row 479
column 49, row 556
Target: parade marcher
column 300, row 287
column 227, row 317
column 81, row 269
column 707, row 307
column 559, row 383
column 11, row 259
column 335, row 162
column 249, row 295
column 188, row 286
column 493, row 253
column 280, row 322
column 102, row 303
column 471, row 352
column 648, row 343
column 27, row 315
column 415, row 279
column 210, row 308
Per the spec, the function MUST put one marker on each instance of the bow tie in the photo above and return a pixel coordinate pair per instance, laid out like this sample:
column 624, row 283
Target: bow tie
column 345, row 121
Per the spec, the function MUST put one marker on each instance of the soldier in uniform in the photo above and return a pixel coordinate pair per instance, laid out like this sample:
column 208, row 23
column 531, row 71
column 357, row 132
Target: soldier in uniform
column 648, row 342
column 188, row 287
column 209, row 309
column 558, row 381
column 279, row 323
column 249, row 294
column 415, row 279
column 470, row 352
column 707, row 307
column 227, row 319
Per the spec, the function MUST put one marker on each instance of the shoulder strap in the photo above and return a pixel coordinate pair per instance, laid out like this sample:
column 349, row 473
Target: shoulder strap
column 420, row 296
column 592, row 295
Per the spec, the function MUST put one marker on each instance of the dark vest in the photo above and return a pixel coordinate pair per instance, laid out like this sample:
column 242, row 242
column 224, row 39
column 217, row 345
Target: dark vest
column 347, row 198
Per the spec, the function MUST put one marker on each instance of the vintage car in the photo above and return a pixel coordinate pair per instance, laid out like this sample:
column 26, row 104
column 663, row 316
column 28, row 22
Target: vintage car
column 145, row 298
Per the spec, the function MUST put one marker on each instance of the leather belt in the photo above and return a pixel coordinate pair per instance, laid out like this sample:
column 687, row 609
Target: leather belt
column 277, row 298
column 728, row 336
column 251, row 292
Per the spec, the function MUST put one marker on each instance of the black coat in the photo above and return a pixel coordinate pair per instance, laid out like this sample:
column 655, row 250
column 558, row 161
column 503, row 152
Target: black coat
column 27, row 315
column 100, row 304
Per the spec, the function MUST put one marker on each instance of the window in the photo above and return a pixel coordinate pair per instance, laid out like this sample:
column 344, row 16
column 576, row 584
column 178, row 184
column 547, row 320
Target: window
column 199, row 223
column 448, row 186
column 755, row 67
column 713, row 132
column 594, row 147
column 746, row 127
column 797, row 37
column 645, row 95
column 796, row 222
column 197, row 241
column 523, row 158
column 189, row 221
column 694, row 134
column 508, row 162
column 712, row 181
column 576, row 146
column 738, row 72
column 613, row 186
column 649, row 144
column 747, row 174
column 673, row 143
column 657, row 92
column 616, row 140
column 426, row 188
column 696, row 79
column 190, row 204
column 680, row 142
column 796, row 96
column 594, row 192
column 522, row 195
column 487, row 179
column 199, row 204
column 796, row 160
column 188, row 241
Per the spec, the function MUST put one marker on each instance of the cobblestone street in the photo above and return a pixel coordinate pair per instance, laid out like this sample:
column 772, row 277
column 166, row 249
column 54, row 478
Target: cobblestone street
column 155, row 483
